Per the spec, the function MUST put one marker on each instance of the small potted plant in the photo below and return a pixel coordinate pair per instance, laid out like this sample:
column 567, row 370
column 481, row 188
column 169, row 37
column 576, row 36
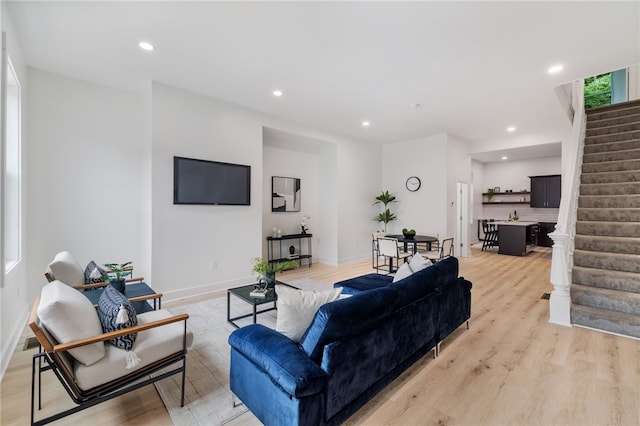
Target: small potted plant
column 266, row 272
column 409, row 233
column 120, row 271
column 303, row 224
column 490, row 193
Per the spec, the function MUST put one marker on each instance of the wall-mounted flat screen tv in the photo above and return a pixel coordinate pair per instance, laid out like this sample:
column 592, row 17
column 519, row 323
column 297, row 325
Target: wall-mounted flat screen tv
column 210, row 182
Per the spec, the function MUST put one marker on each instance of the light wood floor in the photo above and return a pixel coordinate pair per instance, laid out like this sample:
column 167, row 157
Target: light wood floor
column 510, row 368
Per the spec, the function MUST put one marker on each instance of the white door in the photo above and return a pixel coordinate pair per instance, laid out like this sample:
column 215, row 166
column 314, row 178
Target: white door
column 462, row 223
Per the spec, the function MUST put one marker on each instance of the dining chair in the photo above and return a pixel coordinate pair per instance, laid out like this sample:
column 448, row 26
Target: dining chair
column 375, row 251
column 490, row 230
column 446, row 250
column 388, row 247
column 429, row 248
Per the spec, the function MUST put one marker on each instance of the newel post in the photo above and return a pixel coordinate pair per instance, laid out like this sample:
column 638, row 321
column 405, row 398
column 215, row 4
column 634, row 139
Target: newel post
column 560, row 300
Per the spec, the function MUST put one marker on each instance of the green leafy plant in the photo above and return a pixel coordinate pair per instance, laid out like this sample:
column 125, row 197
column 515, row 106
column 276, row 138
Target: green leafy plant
column 262, row 267
column 385, row 198
column 386, row 215
column 408, row 232
column 490, row 193
column 121, row 270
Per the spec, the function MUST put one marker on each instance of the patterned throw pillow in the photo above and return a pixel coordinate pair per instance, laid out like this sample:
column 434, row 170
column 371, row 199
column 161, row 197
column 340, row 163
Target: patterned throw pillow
column 94, row 274
column 115, row 313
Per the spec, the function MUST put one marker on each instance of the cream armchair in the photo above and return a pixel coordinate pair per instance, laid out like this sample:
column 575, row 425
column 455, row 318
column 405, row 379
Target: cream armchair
column 74, row 346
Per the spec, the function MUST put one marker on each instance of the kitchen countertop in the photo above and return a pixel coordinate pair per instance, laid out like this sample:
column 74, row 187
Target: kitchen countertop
column 517, row 223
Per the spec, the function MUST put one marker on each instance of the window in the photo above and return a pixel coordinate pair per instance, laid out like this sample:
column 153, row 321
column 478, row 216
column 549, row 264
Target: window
column 11, row 226
column 605, row 89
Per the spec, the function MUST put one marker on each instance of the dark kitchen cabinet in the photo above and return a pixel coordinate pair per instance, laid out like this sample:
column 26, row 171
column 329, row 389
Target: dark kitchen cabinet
column 545, row 191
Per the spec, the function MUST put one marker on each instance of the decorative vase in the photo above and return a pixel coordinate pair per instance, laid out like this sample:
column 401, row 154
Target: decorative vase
column 270, row 279
column 118, row 285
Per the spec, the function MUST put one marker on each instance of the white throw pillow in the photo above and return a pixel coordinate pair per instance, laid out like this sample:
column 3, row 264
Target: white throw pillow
column 68, row 315
column 418, row 263
column 67, row 269
column 296, row 308
column 403, row 272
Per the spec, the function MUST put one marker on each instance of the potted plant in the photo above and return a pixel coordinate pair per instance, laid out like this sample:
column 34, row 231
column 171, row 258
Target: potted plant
column 266, row 271
column 120, row 271
column 409, row 233
column 303, row 224
column 490, row 193
column 386, row 215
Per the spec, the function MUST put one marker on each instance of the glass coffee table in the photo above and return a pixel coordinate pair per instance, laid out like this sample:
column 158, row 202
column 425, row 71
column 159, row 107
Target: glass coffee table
column 242, row 293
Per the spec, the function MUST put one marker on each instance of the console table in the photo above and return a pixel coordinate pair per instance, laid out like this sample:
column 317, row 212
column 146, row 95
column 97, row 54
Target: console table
column 278, row 256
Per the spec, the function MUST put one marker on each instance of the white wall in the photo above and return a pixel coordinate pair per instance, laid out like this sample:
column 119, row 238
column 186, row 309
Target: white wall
column 458, row 170
column 85, row 151
column 477, row 177
column 202, row 246
column 15, row 298
column 288, row 163
column 358, row 182
column 514, row 175
column 426, row 209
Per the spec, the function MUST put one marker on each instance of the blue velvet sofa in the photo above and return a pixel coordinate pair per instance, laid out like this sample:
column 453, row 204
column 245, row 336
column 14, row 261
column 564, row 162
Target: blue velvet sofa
column 353, row 348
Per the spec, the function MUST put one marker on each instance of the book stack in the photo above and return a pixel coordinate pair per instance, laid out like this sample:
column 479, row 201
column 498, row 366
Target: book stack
column 261, row 293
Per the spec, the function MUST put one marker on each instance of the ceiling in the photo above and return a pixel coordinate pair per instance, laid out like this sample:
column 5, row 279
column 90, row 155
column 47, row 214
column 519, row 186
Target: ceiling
column 475, row 68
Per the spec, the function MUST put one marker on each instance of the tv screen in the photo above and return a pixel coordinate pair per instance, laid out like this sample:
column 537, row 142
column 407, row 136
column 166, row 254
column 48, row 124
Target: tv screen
column 210, row 182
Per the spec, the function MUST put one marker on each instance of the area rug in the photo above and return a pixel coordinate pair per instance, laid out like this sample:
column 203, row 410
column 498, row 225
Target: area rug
column 208, row 400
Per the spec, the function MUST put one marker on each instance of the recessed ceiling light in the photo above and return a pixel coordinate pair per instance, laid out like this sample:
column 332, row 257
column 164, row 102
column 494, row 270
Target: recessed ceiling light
column 505, row 157
column 555, row 69
column 365, row 124
column 277, row 93
column 146, row 46
column 511, row 129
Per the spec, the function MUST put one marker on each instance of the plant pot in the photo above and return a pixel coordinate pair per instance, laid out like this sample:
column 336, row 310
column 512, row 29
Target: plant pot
column 270, row 279
column 118, row 285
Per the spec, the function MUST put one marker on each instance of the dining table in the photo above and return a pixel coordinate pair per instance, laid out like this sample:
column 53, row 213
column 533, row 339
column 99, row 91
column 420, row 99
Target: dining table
column 415, row 240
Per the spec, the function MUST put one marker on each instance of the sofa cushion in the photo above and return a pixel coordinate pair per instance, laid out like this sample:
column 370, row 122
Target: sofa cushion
column 94, row 274
column 115, row 313
column 364, row 282
column 296, row 308
column 418, row 263
column 345, row 317
column 68, row 315
column 66, row 268
column 403, row 272
column 151, row 345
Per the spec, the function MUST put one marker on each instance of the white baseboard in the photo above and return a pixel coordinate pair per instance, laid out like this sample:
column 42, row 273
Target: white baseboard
column 183, row 293
column 13, row 341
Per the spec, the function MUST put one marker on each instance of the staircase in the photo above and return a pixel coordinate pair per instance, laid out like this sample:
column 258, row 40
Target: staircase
column 605, row 293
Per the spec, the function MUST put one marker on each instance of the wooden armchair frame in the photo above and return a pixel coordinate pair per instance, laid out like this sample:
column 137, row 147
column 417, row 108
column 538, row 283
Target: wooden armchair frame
column 52, row 352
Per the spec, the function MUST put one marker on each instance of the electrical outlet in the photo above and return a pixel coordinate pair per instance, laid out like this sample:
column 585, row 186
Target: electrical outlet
column 213, row 265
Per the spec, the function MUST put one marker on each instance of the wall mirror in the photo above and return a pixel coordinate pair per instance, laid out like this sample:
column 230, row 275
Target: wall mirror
column 285, row 194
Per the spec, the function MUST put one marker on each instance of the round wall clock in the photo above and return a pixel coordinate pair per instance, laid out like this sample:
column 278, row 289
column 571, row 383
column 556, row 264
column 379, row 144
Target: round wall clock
column 413, row 183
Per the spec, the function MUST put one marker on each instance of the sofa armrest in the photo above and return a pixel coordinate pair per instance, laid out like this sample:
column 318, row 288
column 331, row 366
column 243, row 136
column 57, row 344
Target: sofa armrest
column 280, row 358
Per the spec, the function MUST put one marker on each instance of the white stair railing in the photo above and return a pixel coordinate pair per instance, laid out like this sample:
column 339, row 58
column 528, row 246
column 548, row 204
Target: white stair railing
column 564, row 234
